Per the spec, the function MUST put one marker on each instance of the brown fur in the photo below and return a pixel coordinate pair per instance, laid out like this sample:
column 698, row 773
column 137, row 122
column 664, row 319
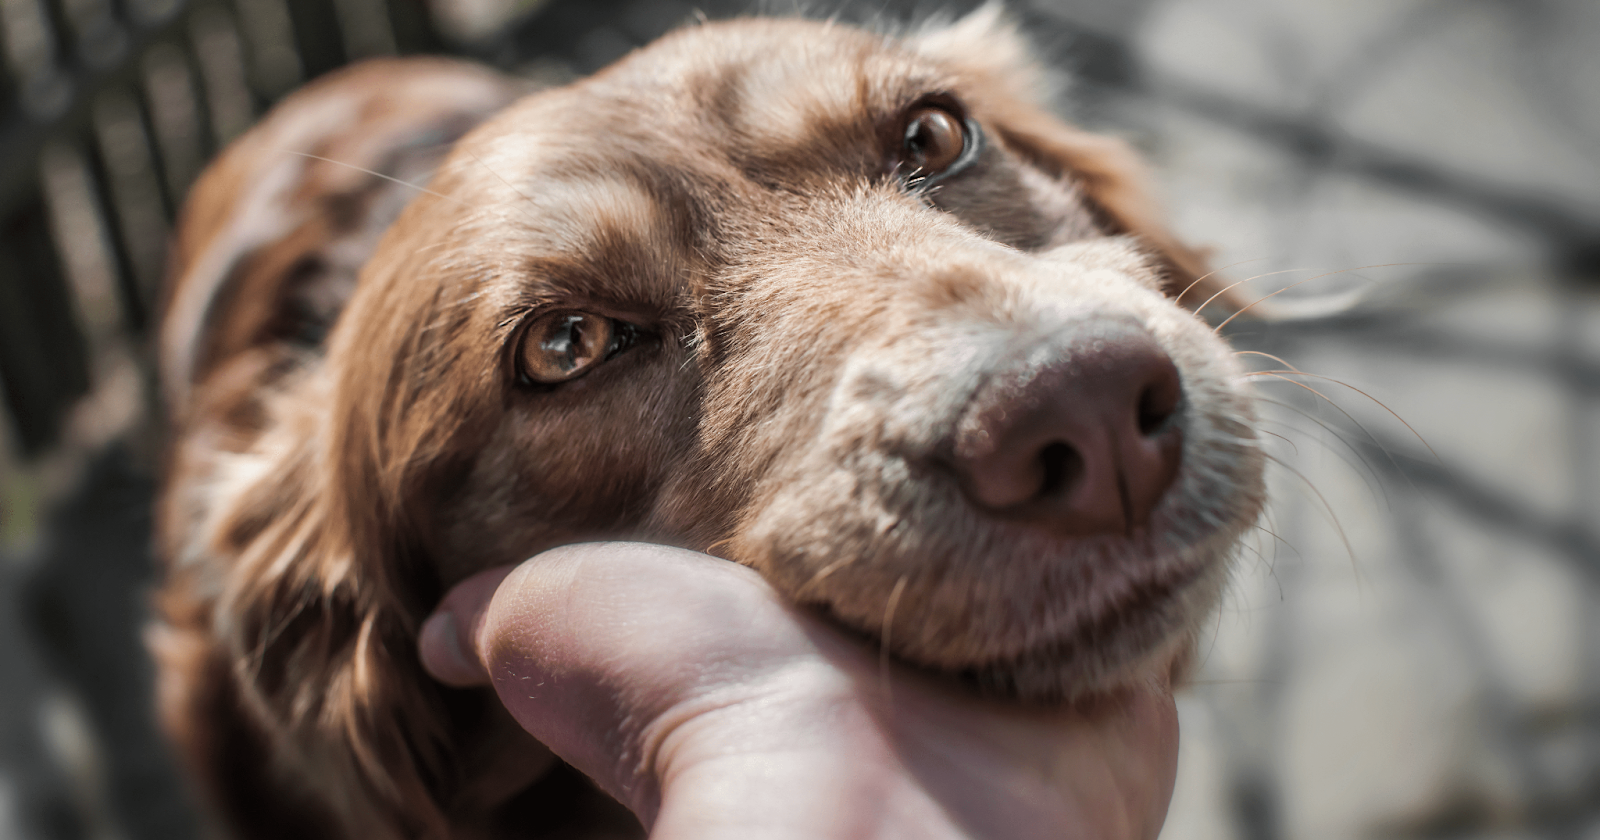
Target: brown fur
column 809, row 322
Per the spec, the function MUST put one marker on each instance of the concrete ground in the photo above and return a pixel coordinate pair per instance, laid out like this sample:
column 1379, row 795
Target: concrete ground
column 1411, row 647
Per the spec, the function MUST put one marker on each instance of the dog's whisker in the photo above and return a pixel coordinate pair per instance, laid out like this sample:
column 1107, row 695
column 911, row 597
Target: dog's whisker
column 1266, row 355
column 1369, row 474
column 1226, row 321
column 827, row 570
column 512, row 187
column 1278, row 538
column 1271, row 564
column 1389, row 456
column 1282, row 438
column 1178, row 301
column 1348, row 416
column 1333, row 516
column 1271, row 529
column 1261, row 558
column 1270, row 513
column 1232, row 286
column 376, row 174
column 884, row 667
column 1280, row 374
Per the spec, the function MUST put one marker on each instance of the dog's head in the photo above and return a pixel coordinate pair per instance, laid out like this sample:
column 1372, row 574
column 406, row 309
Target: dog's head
column 852, row 309
column 849, row 309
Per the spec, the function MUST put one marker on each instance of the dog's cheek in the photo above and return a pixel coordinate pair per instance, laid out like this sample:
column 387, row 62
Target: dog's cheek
column 850, row 516
column 1018, row 205
column 569, row 467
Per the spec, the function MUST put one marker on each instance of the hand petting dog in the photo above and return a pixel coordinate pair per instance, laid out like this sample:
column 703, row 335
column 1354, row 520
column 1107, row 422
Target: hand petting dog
column 693, row 693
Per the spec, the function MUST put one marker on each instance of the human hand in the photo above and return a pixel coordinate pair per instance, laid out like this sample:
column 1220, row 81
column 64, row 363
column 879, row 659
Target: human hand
column 687, row 689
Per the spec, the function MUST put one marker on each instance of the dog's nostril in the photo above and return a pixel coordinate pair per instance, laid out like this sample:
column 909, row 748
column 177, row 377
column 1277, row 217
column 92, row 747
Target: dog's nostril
column 1158, row 402
column 1061, row 465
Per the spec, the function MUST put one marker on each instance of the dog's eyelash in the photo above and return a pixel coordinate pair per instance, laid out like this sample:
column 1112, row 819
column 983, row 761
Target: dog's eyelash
column 625, row 335
column 925, row 183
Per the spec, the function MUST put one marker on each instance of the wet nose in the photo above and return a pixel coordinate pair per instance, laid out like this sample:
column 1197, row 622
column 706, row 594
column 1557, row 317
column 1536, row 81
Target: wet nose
column 1079, row 437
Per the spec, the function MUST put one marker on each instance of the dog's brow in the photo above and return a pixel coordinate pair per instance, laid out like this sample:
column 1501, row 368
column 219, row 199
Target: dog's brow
column 579, row 215
column 605, row 242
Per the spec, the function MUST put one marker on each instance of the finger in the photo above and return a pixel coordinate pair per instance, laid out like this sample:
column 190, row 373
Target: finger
column 591, row 647
column 654, row 606
column 447, row 643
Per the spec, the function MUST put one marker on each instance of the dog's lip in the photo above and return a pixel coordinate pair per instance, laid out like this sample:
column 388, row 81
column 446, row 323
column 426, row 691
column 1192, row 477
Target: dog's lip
column 1132, row 600
column 1123, row 597
column 1142, row 597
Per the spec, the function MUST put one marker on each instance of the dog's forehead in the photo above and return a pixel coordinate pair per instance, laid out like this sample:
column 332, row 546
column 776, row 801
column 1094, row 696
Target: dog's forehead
column 775, row 85
column 656, row 152
column 778, row 88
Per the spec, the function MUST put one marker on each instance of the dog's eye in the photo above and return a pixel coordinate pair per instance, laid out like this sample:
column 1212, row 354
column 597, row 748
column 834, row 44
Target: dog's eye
column 934, row 140
column 559, row 346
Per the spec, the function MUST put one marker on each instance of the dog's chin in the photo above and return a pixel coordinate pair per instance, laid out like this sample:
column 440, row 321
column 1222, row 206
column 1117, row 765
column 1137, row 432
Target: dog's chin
column 1045, row 621
column 1145, row 638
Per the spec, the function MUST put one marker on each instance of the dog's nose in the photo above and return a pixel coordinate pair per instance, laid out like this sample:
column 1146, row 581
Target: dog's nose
column 1080, row 437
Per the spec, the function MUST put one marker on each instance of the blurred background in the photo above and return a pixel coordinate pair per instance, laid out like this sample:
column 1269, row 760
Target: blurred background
column 1411, row 648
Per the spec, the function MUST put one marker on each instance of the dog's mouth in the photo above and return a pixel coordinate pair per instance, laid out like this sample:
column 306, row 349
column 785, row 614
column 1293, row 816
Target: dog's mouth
column 1138, row 630
column 1016, row 612
column 1121, row 625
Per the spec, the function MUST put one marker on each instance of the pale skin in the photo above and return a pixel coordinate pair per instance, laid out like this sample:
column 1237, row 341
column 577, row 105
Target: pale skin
column 686, row 688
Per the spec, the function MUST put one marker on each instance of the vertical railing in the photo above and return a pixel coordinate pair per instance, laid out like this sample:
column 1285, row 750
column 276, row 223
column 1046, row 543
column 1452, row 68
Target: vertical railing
column 108, row 111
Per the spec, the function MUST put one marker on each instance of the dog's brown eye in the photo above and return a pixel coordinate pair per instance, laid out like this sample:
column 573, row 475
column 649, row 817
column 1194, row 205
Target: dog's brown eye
column 559, row 346
column 934, row 140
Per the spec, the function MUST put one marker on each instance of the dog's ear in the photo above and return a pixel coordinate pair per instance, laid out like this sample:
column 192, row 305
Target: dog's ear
column 334, row 570
column 322, row 650
column 273, row 234
column 1013, row 92
column 315, row 617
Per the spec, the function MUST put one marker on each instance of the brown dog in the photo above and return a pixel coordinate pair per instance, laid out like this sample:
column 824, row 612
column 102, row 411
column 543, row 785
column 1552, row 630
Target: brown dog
column 850, row 309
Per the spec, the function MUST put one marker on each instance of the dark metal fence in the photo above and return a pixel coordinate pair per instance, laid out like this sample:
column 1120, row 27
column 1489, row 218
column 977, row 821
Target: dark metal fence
column 111, row 108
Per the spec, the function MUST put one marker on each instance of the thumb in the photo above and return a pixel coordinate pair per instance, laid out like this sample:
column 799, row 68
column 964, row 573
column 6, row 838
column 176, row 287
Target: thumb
column 448, row 642
column 597, row 649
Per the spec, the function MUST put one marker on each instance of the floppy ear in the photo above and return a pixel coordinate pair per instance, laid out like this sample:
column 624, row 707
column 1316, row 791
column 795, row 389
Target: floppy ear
column 272, row 235
column 989, row 53
column 321, row 648
column 294, row 590
column 331, row 575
